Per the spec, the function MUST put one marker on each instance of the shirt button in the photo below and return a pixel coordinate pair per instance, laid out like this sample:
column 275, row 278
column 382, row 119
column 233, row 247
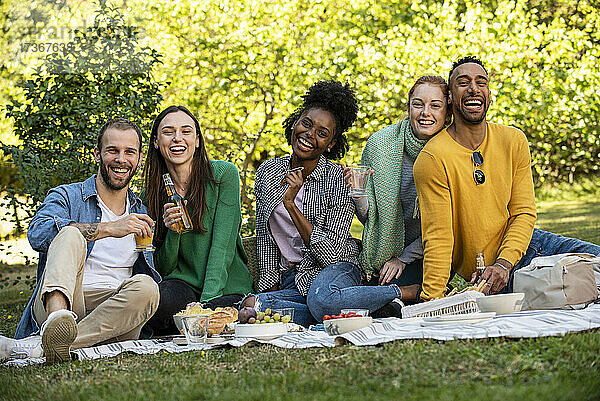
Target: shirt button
column 97, row 218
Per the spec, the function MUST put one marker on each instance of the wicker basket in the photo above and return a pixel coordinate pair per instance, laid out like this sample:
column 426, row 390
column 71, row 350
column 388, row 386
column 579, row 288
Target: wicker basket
column 454, row 305
column 249, row 244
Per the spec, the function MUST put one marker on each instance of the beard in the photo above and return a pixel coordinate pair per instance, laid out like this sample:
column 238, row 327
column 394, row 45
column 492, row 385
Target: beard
column 115, row 186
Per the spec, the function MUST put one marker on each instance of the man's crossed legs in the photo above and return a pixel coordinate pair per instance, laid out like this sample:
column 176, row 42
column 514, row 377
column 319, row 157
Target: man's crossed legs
column 100, row 315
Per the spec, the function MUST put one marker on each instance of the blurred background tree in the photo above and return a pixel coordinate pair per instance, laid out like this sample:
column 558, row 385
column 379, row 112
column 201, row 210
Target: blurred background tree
column 242, row 65
column 100, row 74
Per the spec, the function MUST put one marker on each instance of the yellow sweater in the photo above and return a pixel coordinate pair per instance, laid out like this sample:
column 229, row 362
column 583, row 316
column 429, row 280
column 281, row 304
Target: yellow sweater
column 460, row 218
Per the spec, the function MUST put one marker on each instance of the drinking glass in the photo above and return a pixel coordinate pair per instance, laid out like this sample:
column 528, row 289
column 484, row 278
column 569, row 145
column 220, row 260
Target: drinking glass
column 144, row 243
column 358, row 180
column 285, row 312
column 195, row 328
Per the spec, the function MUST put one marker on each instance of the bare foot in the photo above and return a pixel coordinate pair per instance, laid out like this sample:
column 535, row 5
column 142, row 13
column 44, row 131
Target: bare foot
column 409, row 292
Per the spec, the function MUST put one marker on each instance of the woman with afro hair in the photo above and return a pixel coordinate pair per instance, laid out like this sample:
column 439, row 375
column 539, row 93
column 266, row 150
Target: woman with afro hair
column 307, row 258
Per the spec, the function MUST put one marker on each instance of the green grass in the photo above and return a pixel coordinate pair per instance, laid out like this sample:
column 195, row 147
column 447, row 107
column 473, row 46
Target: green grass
column 573, row 218
column 557, row 368
column 553, row 368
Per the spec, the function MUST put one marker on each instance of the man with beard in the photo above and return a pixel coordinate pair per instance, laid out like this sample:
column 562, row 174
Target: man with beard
column 475, row 191
column 92, row 287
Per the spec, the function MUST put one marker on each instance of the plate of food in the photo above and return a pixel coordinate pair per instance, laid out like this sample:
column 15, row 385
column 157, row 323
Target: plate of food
column 219, row 317
column 346, row 322
column 265, row 325
column 466, row 318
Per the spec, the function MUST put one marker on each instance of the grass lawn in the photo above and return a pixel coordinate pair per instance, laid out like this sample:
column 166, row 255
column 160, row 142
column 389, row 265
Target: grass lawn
column 558, row 368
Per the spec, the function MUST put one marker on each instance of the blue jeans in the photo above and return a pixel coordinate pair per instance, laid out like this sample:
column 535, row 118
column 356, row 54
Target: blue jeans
column 338, row 286
column 287, row 296
column 544, row 243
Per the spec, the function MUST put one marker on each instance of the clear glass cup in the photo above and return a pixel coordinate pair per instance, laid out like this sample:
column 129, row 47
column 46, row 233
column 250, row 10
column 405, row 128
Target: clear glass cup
column 358, row 180
column 144, row 243
column 285, row 312
column 195, row 328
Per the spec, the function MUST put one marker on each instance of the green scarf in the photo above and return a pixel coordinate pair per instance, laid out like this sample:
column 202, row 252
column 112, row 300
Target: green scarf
column 383, row 235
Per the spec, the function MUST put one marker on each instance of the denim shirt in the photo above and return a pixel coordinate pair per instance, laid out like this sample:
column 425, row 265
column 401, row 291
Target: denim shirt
column 66, row 204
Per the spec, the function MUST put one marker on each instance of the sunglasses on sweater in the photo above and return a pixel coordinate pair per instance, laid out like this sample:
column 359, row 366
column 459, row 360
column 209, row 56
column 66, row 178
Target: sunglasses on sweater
column 478, row 175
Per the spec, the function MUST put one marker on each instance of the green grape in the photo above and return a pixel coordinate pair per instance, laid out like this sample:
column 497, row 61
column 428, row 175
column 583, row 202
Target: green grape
column 268, row 311
column 277, row 317
column 286, row 318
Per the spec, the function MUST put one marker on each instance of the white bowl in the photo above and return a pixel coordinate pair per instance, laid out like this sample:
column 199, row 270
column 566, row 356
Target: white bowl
column 261, row 331
column 501, row 303
column 334, row 327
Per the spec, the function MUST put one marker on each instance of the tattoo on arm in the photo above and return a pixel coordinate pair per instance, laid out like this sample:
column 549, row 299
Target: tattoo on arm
column 89, row 230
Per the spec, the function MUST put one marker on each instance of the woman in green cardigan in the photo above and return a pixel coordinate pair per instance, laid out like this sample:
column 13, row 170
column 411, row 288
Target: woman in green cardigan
column 208, row 264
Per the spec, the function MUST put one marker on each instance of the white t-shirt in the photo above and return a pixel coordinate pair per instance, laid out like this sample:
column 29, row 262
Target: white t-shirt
column 111, row 260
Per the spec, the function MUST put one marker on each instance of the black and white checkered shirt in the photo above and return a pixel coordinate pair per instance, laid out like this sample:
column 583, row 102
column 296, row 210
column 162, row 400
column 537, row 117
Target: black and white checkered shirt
column 326, row 205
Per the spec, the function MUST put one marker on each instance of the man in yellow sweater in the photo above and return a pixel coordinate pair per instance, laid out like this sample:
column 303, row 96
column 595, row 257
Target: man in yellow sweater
column 476, row 194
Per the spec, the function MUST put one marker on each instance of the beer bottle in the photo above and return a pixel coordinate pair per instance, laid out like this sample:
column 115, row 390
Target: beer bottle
column 185, row 224
column 479, row 262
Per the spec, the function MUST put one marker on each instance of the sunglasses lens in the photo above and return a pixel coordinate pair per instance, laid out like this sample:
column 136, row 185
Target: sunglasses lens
column 479, row 177
column 477, row 158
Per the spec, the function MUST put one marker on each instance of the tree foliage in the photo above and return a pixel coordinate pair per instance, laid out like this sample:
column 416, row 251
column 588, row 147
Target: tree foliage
column 241, row 66
column 102, row 73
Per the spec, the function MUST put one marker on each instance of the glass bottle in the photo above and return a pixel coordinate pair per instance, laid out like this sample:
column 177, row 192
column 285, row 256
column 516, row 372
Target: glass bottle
column 479, row 262
column 185, row 224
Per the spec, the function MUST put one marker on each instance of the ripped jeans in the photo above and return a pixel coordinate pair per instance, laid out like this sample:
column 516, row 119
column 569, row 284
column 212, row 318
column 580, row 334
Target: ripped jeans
column 287, row 296
column 338, row 286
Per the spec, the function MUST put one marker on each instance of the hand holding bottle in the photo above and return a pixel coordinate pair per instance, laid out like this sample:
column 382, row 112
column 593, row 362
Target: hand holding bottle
column 177, row 218
column 172, row 216
column 496, row 276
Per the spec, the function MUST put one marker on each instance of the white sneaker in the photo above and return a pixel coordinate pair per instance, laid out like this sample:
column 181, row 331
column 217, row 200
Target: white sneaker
column 58, row 333
column 30, row 347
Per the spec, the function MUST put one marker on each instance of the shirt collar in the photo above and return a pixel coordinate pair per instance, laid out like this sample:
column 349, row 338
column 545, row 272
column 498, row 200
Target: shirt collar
column 316, row 174
column 319, row 170
column 89, row 188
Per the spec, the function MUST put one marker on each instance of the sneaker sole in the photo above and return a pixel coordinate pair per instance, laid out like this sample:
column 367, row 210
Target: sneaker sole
column 57, row 339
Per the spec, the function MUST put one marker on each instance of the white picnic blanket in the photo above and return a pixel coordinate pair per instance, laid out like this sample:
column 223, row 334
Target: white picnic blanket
column 516, row 325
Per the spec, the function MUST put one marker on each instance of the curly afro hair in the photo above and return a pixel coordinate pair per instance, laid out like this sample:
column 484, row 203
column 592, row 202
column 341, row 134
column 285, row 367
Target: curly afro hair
column 336, row 98
column 464, row 60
